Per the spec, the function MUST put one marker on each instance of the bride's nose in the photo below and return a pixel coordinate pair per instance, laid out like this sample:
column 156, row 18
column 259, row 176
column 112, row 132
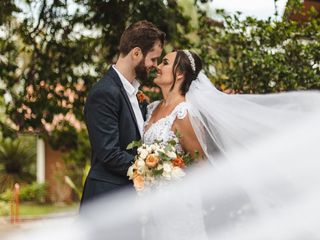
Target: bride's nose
column 158, row 68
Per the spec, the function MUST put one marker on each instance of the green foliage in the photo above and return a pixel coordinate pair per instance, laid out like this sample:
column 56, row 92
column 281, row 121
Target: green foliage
column 64, row 130
column 36, row 209
column 17, row 162
column 134, row 144
column 4, row 208
column 51, row 57
column 34, row 192
column 261, row 56
column 77, row 162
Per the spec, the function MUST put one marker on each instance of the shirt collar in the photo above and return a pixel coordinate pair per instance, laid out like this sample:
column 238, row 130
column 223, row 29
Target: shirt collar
column 131, row 88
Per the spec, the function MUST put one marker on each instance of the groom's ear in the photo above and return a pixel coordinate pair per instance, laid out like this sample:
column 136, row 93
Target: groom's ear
column 136, row 53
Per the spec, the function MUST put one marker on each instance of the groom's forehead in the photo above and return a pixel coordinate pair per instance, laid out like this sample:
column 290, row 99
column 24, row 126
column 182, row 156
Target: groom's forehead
column 156, row 50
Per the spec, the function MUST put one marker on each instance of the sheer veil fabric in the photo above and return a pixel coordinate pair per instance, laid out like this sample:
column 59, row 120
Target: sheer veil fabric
column 224, row 123
column 265, row 183
column 271, row 192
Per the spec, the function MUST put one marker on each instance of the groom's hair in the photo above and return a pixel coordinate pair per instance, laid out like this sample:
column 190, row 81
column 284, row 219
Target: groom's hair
column 142, row 34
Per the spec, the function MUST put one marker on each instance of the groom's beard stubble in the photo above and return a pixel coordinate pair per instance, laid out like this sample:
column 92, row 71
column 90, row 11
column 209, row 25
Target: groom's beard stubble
column 141, row 71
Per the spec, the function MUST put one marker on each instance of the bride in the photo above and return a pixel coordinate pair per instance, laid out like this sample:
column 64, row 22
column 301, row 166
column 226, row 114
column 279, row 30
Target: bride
column 211, row 122
column 170, row 115
column 215, row 125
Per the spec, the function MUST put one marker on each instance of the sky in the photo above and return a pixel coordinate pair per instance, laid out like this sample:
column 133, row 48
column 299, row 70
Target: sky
column 261, row 9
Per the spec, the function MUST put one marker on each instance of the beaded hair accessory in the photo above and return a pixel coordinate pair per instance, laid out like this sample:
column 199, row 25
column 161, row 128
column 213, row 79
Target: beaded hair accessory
column 191, row 60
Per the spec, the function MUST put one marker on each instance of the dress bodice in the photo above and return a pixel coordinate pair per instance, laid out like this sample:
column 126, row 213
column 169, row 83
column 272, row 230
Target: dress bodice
column 161, row 130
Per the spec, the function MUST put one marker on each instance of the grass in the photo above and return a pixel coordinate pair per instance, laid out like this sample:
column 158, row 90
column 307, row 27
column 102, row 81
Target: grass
column 33, row 209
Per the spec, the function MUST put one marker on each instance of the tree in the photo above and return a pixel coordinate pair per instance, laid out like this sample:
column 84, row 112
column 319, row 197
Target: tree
column 261, row 56
column 53, row 51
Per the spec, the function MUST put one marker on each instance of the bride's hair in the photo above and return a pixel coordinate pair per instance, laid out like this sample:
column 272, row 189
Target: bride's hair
column 183, row 64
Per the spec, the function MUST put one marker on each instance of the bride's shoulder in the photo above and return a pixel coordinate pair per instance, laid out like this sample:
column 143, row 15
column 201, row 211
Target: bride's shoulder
column 181, row 110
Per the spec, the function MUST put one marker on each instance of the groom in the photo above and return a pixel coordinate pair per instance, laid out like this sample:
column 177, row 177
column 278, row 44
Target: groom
column 112, row 111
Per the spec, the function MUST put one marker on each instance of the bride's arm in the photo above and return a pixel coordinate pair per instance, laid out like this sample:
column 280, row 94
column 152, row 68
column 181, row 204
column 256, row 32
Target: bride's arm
column 188, row 139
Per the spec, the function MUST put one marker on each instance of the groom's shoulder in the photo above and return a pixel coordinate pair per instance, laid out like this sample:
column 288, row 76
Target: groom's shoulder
column 105, row 85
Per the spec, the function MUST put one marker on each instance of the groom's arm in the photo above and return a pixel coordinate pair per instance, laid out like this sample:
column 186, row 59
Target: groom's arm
column 102, row 121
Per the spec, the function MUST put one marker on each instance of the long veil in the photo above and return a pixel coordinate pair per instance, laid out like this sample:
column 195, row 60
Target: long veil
column 271, row 192
column 226, row 122
column 270, row 189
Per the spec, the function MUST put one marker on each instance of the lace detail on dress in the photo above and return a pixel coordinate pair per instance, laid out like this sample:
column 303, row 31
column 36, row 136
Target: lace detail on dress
column 182, row 111
column 161, row 130
column 150, row 108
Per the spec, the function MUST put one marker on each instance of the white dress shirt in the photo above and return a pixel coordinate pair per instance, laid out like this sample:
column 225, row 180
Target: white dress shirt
column 132, row 90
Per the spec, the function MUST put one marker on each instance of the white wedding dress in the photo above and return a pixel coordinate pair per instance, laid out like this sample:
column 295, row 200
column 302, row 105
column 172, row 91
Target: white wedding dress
column 161, row 130
column 186, row 221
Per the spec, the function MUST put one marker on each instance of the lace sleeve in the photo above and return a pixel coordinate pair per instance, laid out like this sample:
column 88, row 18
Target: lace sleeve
column 182, row 110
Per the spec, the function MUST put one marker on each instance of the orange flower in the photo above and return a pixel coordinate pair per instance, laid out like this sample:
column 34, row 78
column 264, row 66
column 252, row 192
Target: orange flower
column 178, row 162
column 152, row 160
column 141, row 97
column 138, row 182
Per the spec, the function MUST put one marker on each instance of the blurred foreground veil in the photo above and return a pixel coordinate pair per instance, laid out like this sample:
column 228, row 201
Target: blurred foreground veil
column 271, row 192
column 266, row 186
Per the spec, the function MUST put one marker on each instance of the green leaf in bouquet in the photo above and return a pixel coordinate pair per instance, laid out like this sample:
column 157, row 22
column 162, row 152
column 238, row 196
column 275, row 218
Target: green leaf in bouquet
column 172, row 142
column 134, row 144
column 177, row 133
column 157, row 172
column 196, row 154
column 168, row 148
column 163, row 156
column 187, row 159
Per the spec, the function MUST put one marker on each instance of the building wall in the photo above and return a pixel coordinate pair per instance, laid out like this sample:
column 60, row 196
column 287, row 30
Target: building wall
column 58, row 190
column 307, row 5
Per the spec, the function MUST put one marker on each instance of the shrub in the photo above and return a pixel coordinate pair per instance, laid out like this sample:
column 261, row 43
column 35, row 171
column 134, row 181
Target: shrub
column 34, row 192
column 4, row 208
column 261, row 56
column 17, row 160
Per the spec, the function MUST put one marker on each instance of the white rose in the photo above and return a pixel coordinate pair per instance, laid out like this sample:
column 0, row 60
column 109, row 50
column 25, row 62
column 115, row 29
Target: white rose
column 140, row 163
column 177, row 173
column 166, row 175
column 143, row 154
column 130, row 172
column 148, row 148
column 139, row 150
column 140, row 166
column 167, row 167
column 154, row 147
column 172, row 155
column 159, row 167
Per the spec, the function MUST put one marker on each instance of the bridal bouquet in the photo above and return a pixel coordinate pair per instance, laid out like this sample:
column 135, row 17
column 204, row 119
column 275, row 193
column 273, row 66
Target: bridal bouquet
column 157, row 163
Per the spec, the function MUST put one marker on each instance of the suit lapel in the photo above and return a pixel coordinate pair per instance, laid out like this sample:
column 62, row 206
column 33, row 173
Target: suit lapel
column 143, row 108
column 117, row 80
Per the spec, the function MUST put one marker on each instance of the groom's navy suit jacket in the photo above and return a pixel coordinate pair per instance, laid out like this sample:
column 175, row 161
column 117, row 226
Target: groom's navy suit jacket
column 111, row 125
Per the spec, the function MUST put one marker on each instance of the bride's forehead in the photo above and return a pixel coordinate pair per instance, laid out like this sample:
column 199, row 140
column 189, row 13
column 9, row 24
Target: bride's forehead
column 171, row 56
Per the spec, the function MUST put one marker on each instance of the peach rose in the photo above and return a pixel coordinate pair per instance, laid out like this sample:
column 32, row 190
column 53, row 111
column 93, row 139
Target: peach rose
column 178, row 162
column 152, row 160
column 138, row 182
